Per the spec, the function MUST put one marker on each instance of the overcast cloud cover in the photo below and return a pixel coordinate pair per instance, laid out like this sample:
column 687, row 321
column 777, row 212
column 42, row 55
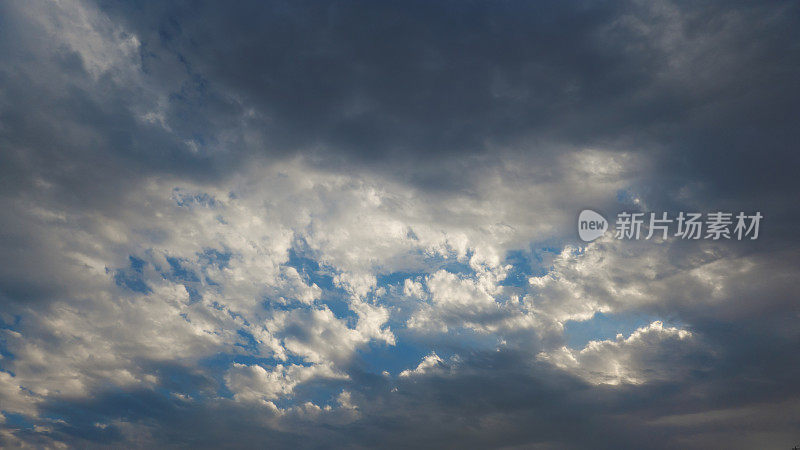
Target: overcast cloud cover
column 353, row 224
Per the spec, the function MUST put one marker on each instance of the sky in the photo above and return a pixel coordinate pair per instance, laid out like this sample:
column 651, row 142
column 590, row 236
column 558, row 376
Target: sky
column 353, row 223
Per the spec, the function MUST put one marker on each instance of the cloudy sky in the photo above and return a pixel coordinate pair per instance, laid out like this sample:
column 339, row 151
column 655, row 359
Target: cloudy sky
column 304, row 224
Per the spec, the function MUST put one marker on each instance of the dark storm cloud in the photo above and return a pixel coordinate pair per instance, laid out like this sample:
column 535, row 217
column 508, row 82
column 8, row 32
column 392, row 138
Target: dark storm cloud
column 707, row 87
column 709, row 84
column 495, row 400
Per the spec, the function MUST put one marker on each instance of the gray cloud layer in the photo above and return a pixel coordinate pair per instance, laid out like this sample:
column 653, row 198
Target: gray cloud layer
column 294, row 223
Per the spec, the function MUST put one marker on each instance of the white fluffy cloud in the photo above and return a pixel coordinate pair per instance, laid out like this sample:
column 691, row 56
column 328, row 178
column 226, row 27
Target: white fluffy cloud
column 182, row 270
column 651, row 353
column 255, row 383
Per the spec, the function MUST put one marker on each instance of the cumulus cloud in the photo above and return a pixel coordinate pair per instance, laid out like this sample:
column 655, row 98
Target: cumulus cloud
column 432, row 363
column 254, row 383
column 651, row 353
